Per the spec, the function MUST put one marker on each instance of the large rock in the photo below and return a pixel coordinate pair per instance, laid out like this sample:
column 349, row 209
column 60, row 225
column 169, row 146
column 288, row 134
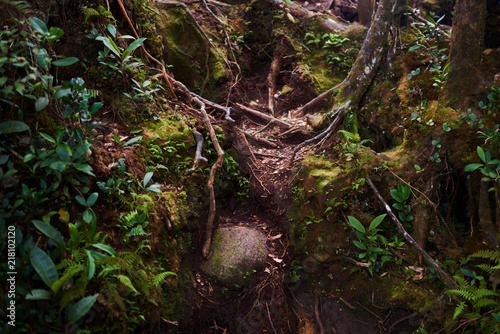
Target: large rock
column 236, row 254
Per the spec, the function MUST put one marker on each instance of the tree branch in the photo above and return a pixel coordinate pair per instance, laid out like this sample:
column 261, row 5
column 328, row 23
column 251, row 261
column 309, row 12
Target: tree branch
column 444, row 276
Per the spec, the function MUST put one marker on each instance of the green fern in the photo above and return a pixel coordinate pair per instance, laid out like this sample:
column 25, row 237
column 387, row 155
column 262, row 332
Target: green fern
column 463, row 294
column 459, row 310
column 72, row 294
column 20, row 5
column 487, row 254
column 160, row 278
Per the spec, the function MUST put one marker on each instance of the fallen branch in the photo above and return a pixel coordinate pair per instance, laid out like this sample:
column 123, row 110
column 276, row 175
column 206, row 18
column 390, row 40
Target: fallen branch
column 359, row 264
column 444, row 276
column 197, row 155
column 210, row 184
column 268, row 118
column 338, row 113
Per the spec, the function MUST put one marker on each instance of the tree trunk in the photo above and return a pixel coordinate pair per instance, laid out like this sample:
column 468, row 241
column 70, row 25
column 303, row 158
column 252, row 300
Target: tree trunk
column 365, row 11
column 370, row 56
column 465, row 51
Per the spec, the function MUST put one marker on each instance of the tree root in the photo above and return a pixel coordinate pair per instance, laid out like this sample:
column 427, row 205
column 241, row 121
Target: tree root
column 316, row 313
column 271, row 81
column 338, row 113
column 299, row 112
column 210, row 184
column 268, row 118
column 444, row 276
column 260, row 140
column 197, row 156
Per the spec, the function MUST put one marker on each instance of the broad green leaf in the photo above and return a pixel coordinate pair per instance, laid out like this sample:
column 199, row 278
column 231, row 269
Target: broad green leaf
column 78, row 310
column 112, row 46
column 13, row 126
column 38, row 25
column 147, row 178
column 360, row 245
column 55, row 33
column 481, row 154
column 414, row 47
column 64, row 152
column 81, row 150
column 90, row 265
column 87, row 216
column 98, row 256
column 81, row 200
column 47, row 137
column 92, row 199
column 135, row 44
column 133, row 140
column 154, row 188
column 472, row 167
column 41, row 103
column 356, row 224
column 397, row 195
column 65, row 62
column 405, row 191
column 466, row 272
column 52, row 232
column 112, row 30
column 376, row 222
column 106, row 248
column 398, row 206
column 44, row 266
column 39, row 294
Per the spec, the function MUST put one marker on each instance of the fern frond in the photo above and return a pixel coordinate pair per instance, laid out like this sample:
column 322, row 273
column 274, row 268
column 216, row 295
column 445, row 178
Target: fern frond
column 485, row 267
column 137, row 231
column 160, row 278
column 127, row 282
column 464, row 294
column 72, row 294
column 129, row 219
column 71, row 271
column 112, row 295
column 461, row 280
column 487, row 254
column 20, row 5
column 485, row 302
column 481, row 293
column 459, row 310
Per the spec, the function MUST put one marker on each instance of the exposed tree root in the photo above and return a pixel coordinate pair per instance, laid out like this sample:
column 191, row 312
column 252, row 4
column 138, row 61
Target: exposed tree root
column 227, row 110
column 271, row 80
column 444, row 276
column 268, row 118
column 299, row 112
column 210, row 184
column 316, row 313
column 199, row 146
column 260, row 140
column 338, row 113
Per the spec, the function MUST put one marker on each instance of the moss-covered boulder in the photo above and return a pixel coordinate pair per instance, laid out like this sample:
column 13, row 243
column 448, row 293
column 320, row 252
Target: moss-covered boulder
column 236, row 254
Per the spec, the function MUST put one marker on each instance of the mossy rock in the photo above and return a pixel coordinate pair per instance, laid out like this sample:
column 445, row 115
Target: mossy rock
column 236, row 254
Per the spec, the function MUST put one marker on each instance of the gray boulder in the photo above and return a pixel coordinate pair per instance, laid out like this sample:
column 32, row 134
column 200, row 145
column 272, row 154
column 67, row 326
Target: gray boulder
column 236, row 254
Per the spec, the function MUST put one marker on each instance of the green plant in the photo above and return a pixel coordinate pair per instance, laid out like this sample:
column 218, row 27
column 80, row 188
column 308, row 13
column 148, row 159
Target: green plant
column 401, row 194
column 490, row 168
column 478, row 300
column 353, row 142
column 134, row 224
column 370, row 243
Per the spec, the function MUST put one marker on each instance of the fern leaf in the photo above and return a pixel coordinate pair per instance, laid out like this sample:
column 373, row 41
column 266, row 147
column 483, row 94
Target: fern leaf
column 464, row 294
column 485, row 302
column 127, row 282
column 70, row 295
column 459, row 310
column 160, row 278
column 112, row 295
column 487, row 254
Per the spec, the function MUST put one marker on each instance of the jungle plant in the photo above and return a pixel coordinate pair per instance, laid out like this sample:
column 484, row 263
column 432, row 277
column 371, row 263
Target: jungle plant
column 352, row 144
column 370, row 243
column 478, row 299
column 134, row 224
column 401, row 194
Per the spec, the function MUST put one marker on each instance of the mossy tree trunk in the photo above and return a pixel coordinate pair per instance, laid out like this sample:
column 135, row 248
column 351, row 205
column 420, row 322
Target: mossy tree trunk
column 466, row 48
column 370, row 56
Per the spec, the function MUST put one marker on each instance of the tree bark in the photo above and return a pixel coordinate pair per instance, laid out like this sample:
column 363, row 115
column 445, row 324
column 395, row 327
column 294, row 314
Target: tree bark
column 370, row 56
column 466, row 48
